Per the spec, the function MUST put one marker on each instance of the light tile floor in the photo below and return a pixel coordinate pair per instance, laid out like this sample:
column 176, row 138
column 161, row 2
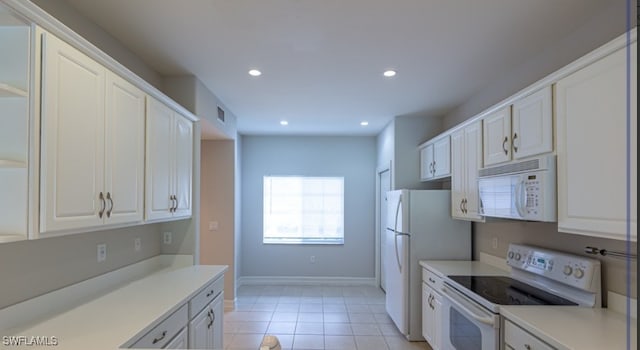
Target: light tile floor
column 313, row 317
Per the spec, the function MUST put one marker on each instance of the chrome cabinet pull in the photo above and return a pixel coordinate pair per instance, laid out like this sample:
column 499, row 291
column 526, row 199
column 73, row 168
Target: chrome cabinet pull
column 461, row 209
column 103, row 207
column 175, row 198
column 434, row 167
column 212, row 316
column 110, row 204
column 164, row 334
column 513, row 142
column 209, row 294
column 506, row 139
column 432, row 280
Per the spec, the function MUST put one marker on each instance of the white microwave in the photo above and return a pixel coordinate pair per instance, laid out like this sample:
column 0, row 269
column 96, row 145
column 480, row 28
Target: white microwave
column 524, row 190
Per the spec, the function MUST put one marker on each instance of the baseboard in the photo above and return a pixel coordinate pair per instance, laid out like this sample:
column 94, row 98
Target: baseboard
column 306, row 281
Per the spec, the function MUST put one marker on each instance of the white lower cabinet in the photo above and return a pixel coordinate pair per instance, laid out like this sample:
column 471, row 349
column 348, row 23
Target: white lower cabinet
column 205, row 330
column 516, row 338
column 431, row 309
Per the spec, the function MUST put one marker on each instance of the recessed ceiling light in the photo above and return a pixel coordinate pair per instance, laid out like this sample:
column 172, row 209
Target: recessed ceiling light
column 389, row 73
column 255, row 73
column 364, row 123
column 284, row 122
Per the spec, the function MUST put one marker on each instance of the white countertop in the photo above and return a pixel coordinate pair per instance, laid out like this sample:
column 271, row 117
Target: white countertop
column 563, row 327
column 443, row 268
column 571, row 327
column 128, row 312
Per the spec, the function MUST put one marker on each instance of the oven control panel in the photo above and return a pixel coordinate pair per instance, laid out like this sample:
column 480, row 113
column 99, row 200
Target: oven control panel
column 572, row 270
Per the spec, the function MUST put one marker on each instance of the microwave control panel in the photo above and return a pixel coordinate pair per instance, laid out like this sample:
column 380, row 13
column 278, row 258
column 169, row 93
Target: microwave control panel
column 532, row 195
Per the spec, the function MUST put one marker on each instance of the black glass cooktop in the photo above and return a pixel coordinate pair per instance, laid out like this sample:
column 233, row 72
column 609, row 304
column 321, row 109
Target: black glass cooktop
column 507, row 291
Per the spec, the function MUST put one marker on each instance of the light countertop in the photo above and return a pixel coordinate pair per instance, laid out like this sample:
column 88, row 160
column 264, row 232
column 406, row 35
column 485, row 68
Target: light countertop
column 443, row 268
column 126, row 313
column 571, row 327
column 563, row 327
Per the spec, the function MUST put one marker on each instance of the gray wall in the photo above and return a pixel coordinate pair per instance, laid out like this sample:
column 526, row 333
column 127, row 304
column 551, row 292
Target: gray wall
column 602, row 28
column 351, row 157
column 32, row 268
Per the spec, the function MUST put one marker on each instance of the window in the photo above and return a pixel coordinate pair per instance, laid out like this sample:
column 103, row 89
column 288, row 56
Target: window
column 303, row 210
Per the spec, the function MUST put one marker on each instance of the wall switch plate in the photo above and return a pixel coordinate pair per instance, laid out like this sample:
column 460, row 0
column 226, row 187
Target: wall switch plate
column 137, row 244
column 312, row 259
column 166, row 238
column 102, row 252
column 213, row 226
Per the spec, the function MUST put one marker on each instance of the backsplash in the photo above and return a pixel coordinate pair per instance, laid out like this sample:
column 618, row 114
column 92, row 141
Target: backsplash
column 546, row 235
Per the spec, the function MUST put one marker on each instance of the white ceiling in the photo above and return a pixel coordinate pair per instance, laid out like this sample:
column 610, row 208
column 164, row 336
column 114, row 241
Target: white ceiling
column 322, row 60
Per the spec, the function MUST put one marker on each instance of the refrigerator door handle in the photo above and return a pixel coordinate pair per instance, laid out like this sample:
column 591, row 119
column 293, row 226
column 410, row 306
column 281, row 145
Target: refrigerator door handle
column 395, row 241
column 395, row 230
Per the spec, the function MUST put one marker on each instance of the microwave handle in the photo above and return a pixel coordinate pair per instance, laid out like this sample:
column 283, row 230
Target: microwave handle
column 520, row 194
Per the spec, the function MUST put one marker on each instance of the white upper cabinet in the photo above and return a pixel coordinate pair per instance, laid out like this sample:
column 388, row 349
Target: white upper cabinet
column 466, row 160
column 169, row 163
column 435, row 159
column 92, row 142
column 597, row 149
column 532, row 125
column 124, row 151
column 497, row 136
column 520, row 130
column 15, row 126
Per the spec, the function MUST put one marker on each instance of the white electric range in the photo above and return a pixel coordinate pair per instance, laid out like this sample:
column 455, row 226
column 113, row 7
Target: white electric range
column 471, row 303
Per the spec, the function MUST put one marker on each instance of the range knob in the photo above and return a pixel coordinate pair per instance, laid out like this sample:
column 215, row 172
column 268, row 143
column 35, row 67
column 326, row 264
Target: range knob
column 578, row 273
column 567, row 270
column 510, row 255
column 518, row 256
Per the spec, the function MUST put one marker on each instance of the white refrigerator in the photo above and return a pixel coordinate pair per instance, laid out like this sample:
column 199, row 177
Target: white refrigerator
column 419, row 227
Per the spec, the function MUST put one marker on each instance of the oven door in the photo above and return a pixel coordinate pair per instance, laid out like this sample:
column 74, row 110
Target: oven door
column 466, row 325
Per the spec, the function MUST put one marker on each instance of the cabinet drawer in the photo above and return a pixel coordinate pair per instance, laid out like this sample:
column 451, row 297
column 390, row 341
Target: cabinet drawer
column 519, row 339
column 160, row 336
column 202, row 299
column 431, row 279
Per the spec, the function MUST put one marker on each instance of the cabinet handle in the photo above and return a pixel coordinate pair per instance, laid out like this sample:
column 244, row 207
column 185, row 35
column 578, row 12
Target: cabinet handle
column 506, row 139
column 175, row 206
column 434, row 167
column 513, row 142
column 110, row 204
column 209, row 294
column 164, row 334
column 212, row 316
column 464, row 205
column 461, row 209
column 103, row 206
column 432, row 280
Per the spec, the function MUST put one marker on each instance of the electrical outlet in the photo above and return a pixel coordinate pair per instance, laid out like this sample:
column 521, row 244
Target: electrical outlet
column 167, row 238
column 102, row 252
column 494, row 243
column 213, row 226
column 137, row 244
column 312, row 259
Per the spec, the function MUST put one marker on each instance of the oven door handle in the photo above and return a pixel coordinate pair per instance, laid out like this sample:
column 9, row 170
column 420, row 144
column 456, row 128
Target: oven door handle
column 479, row 315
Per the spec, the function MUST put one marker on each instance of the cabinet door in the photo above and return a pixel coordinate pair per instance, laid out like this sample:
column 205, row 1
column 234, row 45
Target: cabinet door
column 217, row 314
column 124, row 151
column 442, row 157
column 426, row 162
column 437, row 317
column 497, row 137
column 72, row 127
column 591, row 109
column 200, row 332
column 532, row 125
column 473, row 162
column 428, row 316
column 457, row 173
column 180, row 341
column 159, row 161
column 183, row 165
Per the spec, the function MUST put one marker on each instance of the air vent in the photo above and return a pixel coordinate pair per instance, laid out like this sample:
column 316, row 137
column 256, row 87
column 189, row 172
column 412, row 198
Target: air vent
column 221, row 115
column 514, row 168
